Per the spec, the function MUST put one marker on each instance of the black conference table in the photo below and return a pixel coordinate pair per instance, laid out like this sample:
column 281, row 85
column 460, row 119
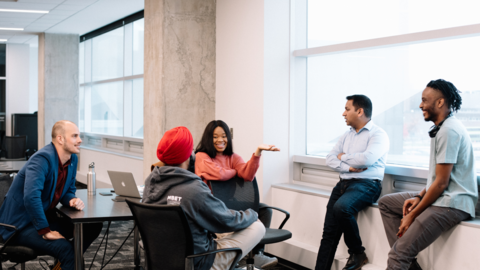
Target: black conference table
column 98, row 208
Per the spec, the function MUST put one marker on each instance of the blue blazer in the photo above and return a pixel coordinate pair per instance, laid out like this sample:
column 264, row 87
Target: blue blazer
column 32, row 190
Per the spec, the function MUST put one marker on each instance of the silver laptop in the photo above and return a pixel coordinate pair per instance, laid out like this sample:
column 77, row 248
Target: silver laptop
column 124, row 184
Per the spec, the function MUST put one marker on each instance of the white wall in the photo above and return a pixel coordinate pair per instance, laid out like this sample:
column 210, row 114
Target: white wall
column 18, row 86
column 33, row 79
column 276, row 103
column 240, row 78
column 111, row 162
column 454, row 249
column 252, row 94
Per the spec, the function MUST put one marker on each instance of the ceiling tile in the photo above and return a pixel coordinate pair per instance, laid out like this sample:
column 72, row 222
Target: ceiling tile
column 79, row 3
column 20, row 15
column 29, row 6
column 6, row 21
column 69, row 7
column 54, row 17
column 3, row 36
column 20, row 38
column 71, row 16
column 41, row 1
column 46, row 20
column 57, row 11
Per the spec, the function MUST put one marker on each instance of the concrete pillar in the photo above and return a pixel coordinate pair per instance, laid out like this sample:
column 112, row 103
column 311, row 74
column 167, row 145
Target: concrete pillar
column 179, row 77
column 57, row 82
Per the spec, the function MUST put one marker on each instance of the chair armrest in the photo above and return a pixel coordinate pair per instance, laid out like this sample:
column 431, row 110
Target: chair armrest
column 281, row 210
column 189, row 259
column 6, row 241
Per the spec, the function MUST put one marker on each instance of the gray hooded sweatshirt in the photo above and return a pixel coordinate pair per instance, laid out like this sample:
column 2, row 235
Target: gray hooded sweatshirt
column 205, row 213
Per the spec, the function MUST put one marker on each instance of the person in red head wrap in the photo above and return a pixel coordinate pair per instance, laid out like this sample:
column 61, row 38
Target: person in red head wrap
column 176, row 146
column 173, row 183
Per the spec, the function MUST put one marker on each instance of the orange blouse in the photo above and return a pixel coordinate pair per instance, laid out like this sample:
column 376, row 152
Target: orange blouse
column 224, row 167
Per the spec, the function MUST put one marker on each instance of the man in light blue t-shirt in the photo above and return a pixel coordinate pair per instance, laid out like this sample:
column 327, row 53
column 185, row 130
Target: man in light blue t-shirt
column 413, row 221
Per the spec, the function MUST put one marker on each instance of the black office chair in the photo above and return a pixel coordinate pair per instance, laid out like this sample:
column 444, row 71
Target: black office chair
column 15, row 147
column 12, row 253
column 238, row 194
column 167, row 238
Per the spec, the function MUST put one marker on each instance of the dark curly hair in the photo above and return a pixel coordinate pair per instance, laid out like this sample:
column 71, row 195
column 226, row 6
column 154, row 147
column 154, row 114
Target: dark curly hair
column 449, row 92
column 206, row 144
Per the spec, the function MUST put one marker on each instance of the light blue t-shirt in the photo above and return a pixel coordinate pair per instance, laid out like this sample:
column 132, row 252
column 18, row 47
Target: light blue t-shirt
column 452, row 145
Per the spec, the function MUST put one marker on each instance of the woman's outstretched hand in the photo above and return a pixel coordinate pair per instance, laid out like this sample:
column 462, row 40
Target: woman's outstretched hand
column 266, row 147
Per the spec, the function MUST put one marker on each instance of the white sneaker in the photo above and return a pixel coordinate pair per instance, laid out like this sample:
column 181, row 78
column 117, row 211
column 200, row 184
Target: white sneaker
column 264, row 262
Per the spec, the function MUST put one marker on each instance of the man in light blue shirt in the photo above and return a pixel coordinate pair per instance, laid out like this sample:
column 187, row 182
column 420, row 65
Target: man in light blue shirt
column 413, row 221
column 360, row 156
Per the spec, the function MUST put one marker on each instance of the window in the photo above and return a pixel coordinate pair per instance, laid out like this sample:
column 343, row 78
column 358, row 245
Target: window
column 389, row 51
column 111, row 85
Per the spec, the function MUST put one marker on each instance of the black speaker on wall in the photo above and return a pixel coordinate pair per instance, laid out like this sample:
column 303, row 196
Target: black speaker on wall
column 26, row 124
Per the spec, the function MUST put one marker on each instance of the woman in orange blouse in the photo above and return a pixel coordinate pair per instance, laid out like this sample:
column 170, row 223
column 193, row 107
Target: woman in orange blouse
column 216, row 161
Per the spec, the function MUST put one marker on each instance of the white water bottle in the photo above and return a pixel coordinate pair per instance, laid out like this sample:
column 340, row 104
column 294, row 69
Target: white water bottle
column 91, row 179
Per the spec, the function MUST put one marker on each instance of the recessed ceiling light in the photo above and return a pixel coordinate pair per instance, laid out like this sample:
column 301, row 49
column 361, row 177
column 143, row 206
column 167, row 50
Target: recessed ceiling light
column 23, row 10
column 13, row 29
column 3, row 40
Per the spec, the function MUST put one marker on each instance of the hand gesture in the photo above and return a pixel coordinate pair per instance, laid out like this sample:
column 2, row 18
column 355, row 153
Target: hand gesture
column 405, row 224
column 265, row 147
column 351, row 169
column 268, row 147
column 77, row 203
column 52, row 235
column 409, row 205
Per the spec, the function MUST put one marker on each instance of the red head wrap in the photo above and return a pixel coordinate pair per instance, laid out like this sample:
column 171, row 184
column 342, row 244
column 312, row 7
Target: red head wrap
column 176, row 146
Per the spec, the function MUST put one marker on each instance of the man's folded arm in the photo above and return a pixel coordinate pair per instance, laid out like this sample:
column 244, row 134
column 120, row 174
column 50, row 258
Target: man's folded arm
column 376, row 148
column 332, row 160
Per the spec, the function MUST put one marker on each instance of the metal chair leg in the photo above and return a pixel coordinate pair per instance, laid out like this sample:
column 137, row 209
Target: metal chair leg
column 250, row 261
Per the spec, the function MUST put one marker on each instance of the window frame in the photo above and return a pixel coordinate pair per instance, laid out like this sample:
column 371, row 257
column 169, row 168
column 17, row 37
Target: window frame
column 120, row 145
column 298, row 89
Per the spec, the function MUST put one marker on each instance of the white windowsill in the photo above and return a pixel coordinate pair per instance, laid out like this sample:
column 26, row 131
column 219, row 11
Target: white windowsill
column 102, row 150
column 474, row 223
column 392, row 169
column 389, row 169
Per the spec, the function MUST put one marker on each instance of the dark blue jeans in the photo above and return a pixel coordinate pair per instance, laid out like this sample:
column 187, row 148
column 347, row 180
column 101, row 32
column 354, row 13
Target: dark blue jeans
column 62, row 249
column 348, row 198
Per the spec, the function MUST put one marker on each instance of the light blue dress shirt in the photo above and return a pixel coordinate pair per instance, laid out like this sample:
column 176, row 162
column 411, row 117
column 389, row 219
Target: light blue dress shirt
column 453, row 145
column 367, row 148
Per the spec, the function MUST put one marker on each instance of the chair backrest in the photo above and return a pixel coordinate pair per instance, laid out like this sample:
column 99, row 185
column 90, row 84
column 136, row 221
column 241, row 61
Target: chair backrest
column 5, row 183
column 236, row 193
column 14, row 147
column 165, row 232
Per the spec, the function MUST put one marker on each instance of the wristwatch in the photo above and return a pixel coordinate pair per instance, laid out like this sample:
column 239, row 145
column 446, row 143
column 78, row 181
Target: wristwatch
column 418, row 196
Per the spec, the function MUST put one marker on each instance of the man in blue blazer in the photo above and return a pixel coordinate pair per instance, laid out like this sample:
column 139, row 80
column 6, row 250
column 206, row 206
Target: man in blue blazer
column 47, row 179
